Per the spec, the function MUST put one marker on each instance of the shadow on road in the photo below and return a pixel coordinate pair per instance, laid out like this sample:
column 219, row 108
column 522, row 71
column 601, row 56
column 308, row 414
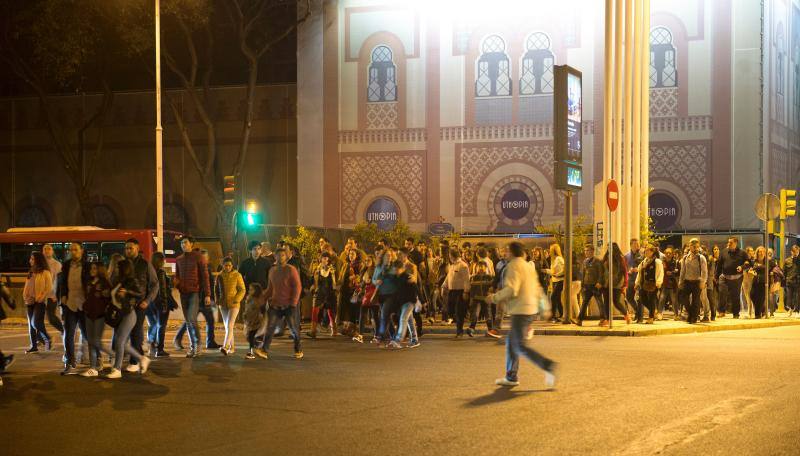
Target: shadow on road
column 49, row 395
column 501, row 395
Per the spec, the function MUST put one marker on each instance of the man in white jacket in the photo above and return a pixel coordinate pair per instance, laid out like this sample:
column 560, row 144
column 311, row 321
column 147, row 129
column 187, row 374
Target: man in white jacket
column 521, row 294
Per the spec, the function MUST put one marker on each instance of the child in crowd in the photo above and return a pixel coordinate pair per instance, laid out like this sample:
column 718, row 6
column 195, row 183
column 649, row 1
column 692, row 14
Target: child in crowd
column 480, row 287
column 254, row 315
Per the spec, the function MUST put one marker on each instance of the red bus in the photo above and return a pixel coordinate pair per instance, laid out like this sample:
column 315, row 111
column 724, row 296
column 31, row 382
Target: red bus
column 17, row 244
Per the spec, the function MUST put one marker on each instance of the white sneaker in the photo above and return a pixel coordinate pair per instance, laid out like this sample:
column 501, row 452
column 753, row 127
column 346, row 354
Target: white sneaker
column 549, row 380
column 132, row 368
column 89, row 373
column 113, row 373
column 505, row 382
column 144, row 363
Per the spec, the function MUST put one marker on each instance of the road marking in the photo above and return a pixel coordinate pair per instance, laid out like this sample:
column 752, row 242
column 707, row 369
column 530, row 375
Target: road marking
column 692, row 427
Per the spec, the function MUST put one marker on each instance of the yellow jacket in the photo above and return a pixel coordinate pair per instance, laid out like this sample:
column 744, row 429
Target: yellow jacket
column 229, row 289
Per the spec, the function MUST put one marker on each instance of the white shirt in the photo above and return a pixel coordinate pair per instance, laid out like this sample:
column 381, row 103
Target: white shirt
column 521, row 289
column 55, row 269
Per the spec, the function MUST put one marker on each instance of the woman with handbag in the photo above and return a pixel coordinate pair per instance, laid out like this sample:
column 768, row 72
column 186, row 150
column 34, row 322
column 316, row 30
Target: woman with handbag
column 98, row 298
column 649, row 279
column 229, row 291
column 556, row 273
column 369, row 302
column 348, row 280
column 37, row 288
column 759, row 278
column 124, row 296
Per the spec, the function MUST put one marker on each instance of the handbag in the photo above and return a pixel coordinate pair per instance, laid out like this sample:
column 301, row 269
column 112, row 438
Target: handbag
column 117, row 310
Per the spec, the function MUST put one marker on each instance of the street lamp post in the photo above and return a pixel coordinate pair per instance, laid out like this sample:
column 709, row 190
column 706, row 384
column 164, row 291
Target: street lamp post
column 159, row 133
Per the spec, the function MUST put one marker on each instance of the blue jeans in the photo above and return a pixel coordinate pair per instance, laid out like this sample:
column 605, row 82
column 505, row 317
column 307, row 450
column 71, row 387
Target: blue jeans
column 388, row 307
column 190, row 303
column 515, row 345
column 152, row 322
column 36, row 328
column 121, row 345
column 72, row 320
column 208, row 314
column 406, row 322
column 274, row 316
column 94, row 335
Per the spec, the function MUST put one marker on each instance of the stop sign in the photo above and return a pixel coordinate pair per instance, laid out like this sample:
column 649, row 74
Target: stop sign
column 612, row 195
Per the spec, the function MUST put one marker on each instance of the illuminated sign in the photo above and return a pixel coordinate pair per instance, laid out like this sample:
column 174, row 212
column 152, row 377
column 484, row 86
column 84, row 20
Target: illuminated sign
column 383, row 212
column 515, row 204
column 567, row 128
column 664, row 210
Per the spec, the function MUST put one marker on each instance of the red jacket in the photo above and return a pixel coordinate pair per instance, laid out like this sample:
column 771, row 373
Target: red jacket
column 191, row 274
column 284, row 286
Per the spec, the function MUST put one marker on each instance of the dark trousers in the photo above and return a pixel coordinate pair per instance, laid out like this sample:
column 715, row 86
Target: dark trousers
column 757, row 296
column 72, row 320
column 389, row 307
column 734, row 288
column 137, row 335
column 36, row 329
column 251, row 338
column 792, row 297
column 588, row 292
column 515, row 346
column 691, row 297
column 647, row 299
column 630, row 293
column 555, row 299
column 456, row 298
column 208, row 313
column 617, row 295
column 275, row 315
column 475, row 306
column 372, row 313
column 52, row 318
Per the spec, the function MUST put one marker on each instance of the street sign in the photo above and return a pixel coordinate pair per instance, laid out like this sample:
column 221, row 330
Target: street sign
column 440, row 229
column 768, row 207
column 612, row 195
column 599, row 234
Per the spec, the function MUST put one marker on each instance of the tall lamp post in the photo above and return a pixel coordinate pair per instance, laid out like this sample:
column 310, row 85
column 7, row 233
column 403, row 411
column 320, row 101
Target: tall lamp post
column 159, row 132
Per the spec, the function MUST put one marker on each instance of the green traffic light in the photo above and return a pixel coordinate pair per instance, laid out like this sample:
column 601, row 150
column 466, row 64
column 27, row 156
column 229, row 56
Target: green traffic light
column 250, row 219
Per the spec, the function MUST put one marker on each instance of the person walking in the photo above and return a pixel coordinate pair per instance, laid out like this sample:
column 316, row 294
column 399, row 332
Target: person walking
column 649, row 278
column 229, row 291
column 456, row 287
column 52, row 302
column 632, row 259
column 591, row 285
column 255, row 268
column 324, row 293
column 521, row 294
column 147, row 280
column 162, row 306
column 407, row 295
column 617, row 283
column 730, row 267
column 791, row 273
column 693, row 279
column 669, row 290
column 98, row 298
column 369, row 305
column 38, row 286
column 757, row 292
column 126, row 296
column 75, row 277
column 254, row 316
column 191, row 277
column 480, row 286
column 283, row 296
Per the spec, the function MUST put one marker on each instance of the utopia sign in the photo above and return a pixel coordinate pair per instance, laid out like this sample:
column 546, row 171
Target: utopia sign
column 383, row 212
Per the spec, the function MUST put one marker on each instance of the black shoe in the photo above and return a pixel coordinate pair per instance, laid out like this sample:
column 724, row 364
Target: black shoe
column 48, row 345
column 161, row 354
column 6, row 362
column 32, row 350
column 153, row 349
column 213, row 346
column 469, row 332
column 68, row 369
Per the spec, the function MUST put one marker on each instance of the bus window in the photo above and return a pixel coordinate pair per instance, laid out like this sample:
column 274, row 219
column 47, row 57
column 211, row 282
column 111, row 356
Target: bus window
column 109, row 248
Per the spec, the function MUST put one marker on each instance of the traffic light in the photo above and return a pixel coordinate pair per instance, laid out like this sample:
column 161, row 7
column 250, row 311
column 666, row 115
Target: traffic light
column 251, row 217
column 788, row 203
column 229, row 191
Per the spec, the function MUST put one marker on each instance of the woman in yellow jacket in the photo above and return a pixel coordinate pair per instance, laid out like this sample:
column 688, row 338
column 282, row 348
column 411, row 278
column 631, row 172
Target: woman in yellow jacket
column 229, row 291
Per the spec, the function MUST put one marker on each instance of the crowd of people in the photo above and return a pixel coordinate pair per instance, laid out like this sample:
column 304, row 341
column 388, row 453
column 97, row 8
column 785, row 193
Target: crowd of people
column 390, row 293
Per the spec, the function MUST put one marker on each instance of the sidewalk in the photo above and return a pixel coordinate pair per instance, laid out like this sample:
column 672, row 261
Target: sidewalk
column 589, row 328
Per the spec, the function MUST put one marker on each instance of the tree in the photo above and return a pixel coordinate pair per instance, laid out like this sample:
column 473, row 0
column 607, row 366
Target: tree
column 582, row 231
column 58, row 46
column 188, row 54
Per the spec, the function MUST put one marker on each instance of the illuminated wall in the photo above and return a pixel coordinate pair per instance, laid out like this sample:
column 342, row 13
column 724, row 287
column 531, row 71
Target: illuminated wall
column 445, row 111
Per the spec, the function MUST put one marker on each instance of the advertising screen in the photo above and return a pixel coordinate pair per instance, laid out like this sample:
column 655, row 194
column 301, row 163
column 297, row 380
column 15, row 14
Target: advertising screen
column 574, row 111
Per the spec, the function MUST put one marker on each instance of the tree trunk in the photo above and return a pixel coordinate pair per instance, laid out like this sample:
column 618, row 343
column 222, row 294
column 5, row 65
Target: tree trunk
column 85, row 206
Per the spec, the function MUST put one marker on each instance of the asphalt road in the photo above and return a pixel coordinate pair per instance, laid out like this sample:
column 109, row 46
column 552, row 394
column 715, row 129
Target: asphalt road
column 733, row 392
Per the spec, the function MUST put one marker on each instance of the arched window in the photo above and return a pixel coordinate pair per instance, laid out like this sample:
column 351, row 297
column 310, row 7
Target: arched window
column 663, row 72
column 382, row 76
column 33, row 216
column 780, row 60
column 537, row 65
column 493, row 70
column 104, row 216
